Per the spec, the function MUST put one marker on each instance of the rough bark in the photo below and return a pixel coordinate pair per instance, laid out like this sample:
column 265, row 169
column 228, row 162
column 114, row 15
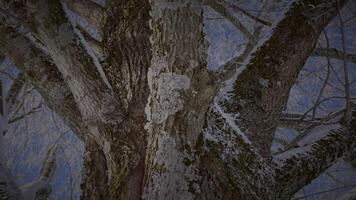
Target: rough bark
column 78, row 68
column 101, row 109
column 154, row 124
column 87, row 9
column 128, row 55
column 243, row 119
column 300, row 169
column 43, row 74
column 95, row 183
column 261, row 90
column 120, row 164
column 181, row 90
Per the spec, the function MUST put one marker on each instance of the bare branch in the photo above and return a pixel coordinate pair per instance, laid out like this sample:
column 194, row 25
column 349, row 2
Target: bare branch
column 346, row 72
column 43, row 74
column 17, row 118
column 261, row 90
column 327, row 191
column 335, row 53
column 40, row 188
column 351, row 195
column 74, row 60
column 8, row 189
column 89, row 10
column 15, row 90
column 222, row 8
column 238, row 9
column 321, row 155
column 311, row 160
column 226, row 70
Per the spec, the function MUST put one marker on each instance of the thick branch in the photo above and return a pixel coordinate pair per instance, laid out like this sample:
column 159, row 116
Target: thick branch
column 232, row 167
column 91, row 93
column 126, row 140
column 261, row 90
column 128, row 57
column 43, row 74
column 314, row 159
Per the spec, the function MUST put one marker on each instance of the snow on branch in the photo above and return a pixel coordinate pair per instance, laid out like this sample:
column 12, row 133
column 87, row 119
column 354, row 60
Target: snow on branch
column 303, row 164
column 261, row 91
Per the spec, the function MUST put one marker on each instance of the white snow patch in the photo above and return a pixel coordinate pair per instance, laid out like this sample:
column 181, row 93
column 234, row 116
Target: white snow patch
column 280, row 158
column 231, row 122
column 318, row 133
column 170, row 174
column 168, row 97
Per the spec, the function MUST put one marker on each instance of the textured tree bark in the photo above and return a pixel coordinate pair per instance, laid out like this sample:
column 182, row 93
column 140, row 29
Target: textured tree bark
column 300, row 170
column 181, row 90
column 89, row 10
column 261, row 90
column 95, row 183
column 128, row 55
column 155, row 130
column 243, row 119
column 43, row 74
column 103, row 110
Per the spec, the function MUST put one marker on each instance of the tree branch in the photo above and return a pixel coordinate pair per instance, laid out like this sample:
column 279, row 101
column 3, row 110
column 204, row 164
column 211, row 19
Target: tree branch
column 222, row 8
column 41, row 188
column 91, row 93
column 350, row 195
column 44, row 75
column 14, row 90
column 260, row 92
column 8, row 189
column 335, row 53
column 89, row 10
column 298, row 170
column 238, row 9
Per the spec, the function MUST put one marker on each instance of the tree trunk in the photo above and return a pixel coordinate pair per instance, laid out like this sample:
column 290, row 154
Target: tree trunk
column 181, row 90
column 155, row 122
